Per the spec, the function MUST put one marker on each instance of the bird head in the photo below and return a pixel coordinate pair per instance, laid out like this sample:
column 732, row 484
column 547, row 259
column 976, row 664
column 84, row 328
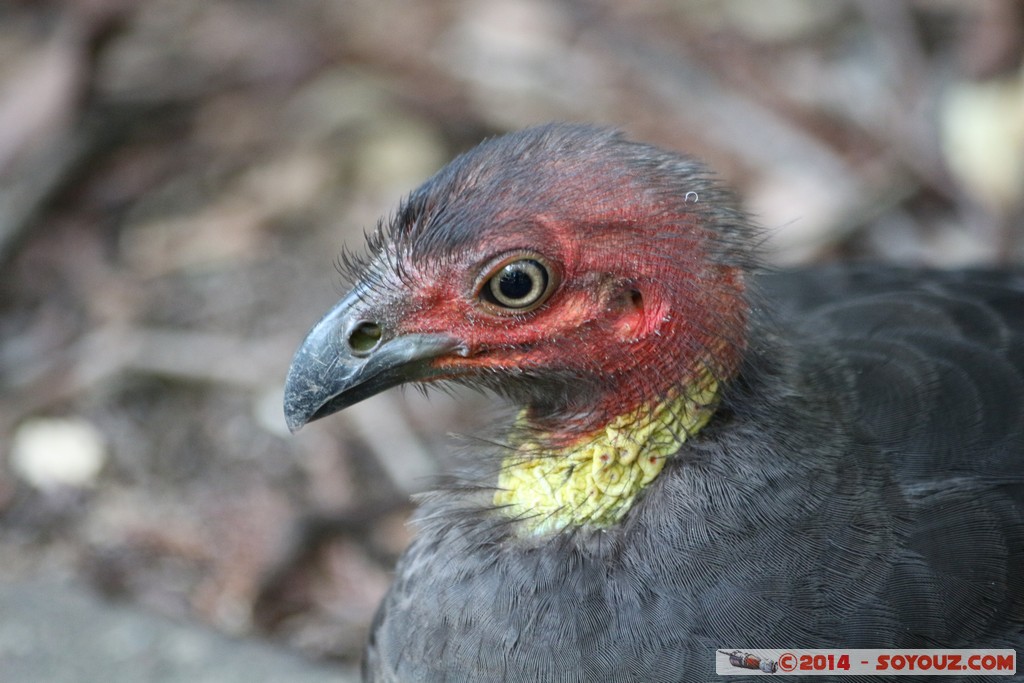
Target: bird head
column 579, row 274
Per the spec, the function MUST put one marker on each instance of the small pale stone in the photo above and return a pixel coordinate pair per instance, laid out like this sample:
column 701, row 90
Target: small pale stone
column 50, row 453
column 983, row 139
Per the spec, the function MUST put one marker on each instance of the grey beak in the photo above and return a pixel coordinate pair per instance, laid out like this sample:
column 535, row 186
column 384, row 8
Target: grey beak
column 338, row 364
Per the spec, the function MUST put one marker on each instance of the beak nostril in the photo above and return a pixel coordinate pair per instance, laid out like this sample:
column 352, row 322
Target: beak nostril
column 364, row 337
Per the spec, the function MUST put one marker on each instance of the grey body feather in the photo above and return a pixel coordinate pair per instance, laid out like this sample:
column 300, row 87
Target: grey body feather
column 862, row 485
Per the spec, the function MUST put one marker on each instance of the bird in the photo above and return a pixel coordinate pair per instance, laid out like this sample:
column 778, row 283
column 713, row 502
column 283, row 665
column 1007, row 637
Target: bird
column 703, row 452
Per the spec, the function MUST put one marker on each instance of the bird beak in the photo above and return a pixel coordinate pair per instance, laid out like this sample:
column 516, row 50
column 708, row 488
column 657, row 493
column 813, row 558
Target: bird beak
column 336, row 367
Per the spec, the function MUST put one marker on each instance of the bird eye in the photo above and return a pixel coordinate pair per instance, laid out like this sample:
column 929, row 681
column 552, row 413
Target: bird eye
column 517, row 286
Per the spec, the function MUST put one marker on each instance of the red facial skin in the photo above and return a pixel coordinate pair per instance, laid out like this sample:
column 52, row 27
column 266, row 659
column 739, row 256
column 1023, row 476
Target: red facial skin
column 639, row 309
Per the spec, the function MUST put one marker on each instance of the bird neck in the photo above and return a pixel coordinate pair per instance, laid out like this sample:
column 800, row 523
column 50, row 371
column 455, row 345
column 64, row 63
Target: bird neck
column 595, row 480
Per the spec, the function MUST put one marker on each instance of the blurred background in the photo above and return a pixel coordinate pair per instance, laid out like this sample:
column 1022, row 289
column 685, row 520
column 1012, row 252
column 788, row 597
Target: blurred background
column 177, row 178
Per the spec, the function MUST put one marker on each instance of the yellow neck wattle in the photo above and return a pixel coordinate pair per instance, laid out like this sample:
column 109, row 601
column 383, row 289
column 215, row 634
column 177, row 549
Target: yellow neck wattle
column 595, row 481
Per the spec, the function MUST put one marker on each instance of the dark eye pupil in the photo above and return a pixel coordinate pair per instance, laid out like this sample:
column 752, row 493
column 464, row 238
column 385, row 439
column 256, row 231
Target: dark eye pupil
column 515, row 283
column 518, row 285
